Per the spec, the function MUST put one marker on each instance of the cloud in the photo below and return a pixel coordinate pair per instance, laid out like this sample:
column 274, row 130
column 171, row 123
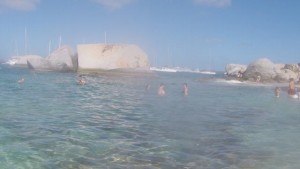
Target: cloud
column 22, row 5
column 113, row 4
column 214, row 3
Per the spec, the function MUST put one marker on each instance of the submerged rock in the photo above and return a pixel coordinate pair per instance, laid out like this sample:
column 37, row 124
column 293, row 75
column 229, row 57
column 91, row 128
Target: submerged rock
column 110, row 57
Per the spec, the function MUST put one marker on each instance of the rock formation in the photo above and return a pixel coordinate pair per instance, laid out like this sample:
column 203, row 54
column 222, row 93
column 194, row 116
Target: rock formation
column 21, row 61
column 261, row 68
column 235, row 69
column 62, row 60
column 109, row 57
column 45, row 64
column 64, row 55
column 264, row 70
column 89, row 57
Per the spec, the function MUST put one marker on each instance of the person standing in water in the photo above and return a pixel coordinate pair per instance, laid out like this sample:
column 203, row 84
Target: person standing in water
column 277, row 91
column 185, row 90
column 258, row 78
column 291, row 90
column 161, row 90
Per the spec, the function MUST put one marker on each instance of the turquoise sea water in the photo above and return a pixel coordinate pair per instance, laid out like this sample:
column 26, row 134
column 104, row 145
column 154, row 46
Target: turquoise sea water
column 50, row 122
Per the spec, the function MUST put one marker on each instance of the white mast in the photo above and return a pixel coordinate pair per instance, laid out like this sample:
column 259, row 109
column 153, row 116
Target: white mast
column 59, row 42
column 105, row 36
column 16, row 49
column 169, row 64
column 49, row 47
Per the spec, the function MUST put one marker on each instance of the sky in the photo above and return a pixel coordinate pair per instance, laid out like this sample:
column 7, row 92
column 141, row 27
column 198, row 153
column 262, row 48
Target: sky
column 204, row 34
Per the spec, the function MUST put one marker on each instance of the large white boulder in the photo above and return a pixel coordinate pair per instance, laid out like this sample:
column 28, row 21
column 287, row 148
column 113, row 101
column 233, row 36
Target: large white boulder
column 284, row 75
column 46, row 64
column 61, row 59
column 286, row 71
column 265, row 71
column 235, row 69
column 38, row 63
column 279, row 67
column 261, row 67
column 111, row 56
column 63, row 55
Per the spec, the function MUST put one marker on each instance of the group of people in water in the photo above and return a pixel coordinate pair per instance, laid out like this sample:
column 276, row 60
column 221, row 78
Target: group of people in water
column 161, row 89
column 292, row 90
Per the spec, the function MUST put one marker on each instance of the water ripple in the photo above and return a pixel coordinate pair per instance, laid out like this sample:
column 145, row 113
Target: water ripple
column 112, row 122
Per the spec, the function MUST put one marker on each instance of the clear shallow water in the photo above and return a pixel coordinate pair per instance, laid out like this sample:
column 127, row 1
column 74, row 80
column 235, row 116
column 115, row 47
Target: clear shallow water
column 50, row 122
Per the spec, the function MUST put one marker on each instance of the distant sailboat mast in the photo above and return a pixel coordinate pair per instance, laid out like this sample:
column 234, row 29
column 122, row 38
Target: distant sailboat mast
column 49, row 47
column 59, row 45
column 170, row 63
column 16, row 49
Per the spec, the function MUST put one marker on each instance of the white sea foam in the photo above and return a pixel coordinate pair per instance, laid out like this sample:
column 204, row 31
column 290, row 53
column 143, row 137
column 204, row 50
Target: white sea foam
column 234, row 82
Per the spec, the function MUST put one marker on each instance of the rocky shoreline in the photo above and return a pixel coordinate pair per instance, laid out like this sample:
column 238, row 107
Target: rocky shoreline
column 263, row 71
column 89, row 57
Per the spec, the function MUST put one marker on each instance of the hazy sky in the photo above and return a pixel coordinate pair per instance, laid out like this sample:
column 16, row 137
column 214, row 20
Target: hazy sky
column 191, row 33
